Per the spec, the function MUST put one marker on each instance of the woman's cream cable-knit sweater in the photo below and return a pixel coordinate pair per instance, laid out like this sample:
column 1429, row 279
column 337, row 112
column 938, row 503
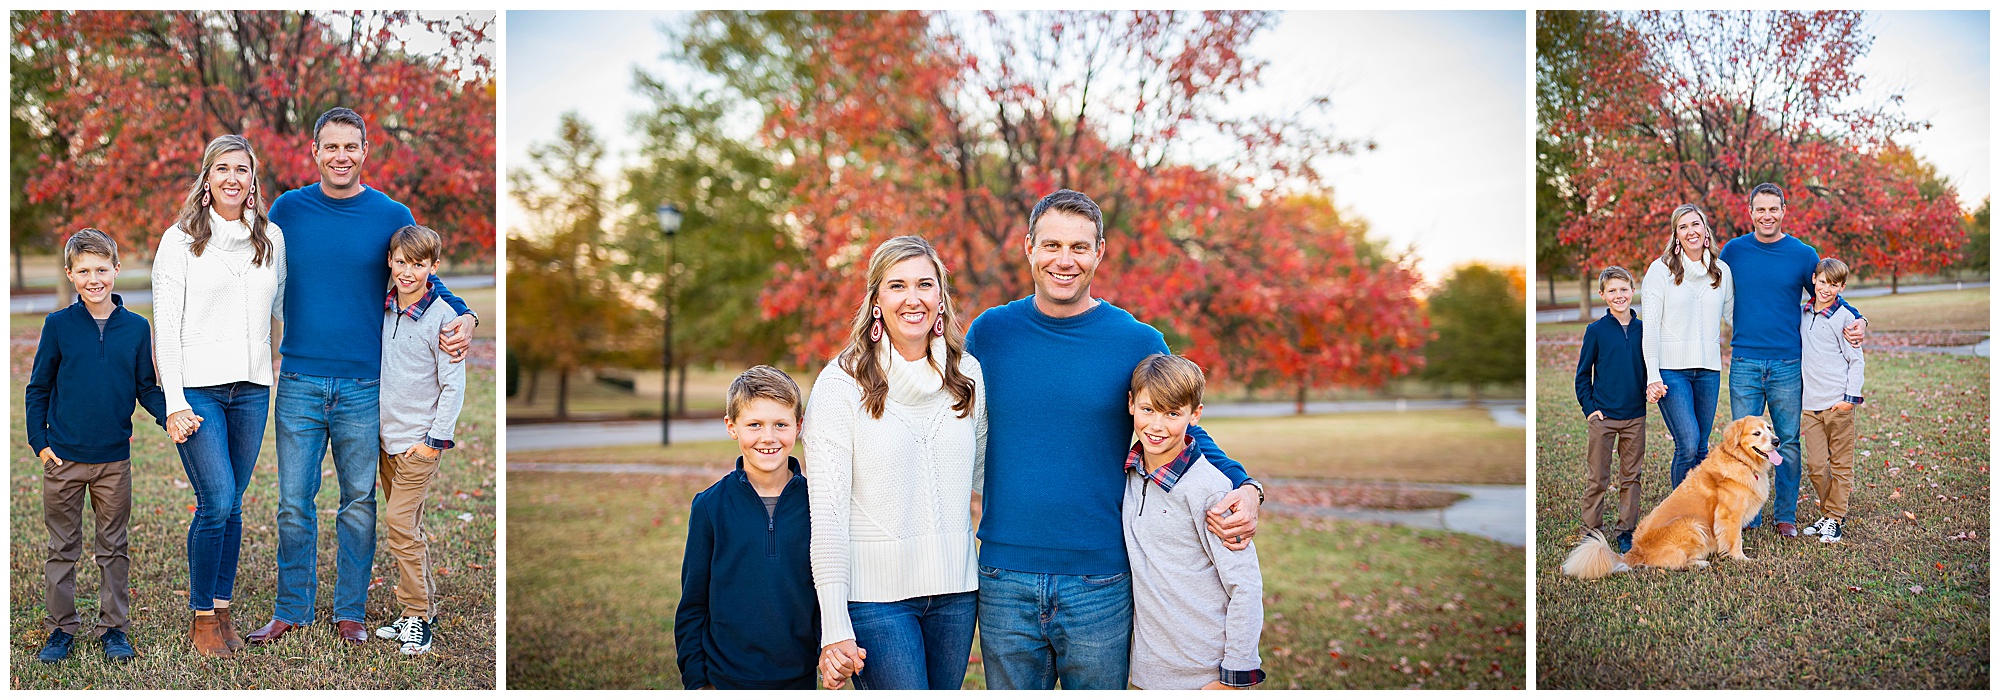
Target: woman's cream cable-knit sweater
column 212, row 312
column 1684, row 321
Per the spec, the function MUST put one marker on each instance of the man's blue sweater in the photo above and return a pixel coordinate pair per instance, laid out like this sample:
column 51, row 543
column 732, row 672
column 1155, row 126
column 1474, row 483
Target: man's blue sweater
column 337, row 257
column 748, row 617
column 84, row 381
column 1770, row 280
column 1611, row 372
column 1059, row 430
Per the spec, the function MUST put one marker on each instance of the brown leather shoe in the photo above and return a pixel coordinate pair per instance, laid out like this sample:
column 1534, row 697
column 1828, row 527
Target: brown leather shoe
column 271, row 631
column 229, row 635
column 1788, row 530
column 351, row 632
column 206, row 634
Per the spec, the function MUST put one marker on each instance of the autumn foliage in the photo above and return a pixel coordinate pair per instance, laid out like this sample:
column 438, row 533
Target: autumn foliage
column 1699, row 107
column 953, row 126
column 131, row 98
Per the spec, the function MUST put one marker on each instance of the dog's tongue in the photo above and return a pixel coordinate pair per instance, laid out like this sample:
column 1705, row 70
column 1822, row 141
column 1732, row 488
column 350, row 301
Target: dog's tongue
column 1776, row 459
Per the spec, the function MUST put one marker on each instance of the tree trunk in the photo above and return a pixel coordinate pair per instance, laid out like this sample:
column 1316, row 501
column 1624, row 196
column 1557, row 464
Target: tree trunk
column 681, row 401
column 534, row 380
column 1892, row 282
column 1299, row 403
column 562, row 395
column 1584, row 283
column 1552, row 289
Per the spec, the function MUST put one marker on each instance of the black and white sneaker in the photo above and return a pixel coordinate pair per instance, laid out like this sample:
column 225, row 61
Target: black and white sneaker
column 1831, row 533
column 416, row 636
column 393, row 630
column 1817, row 527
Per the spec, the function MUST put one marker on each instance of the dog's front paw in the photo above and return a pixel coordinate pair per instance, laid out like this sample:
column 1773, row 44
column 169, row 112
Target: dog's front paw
column 1741, row 557
column 1701, row 563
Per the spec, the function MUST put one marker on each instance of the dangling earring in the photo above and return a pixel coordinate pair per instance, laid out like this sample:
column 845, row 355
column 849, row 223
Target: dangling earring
column 938, row 330
column 875, row 331
column 252, row 202
column 204, row 195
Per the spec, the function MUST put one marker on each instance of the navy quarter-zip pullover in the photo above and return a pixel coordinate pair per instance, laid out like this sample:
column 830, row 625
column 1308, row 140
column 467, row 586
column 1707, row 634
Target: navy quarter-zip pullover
column 748, row 617
column 1611, row 372
column 85, row 380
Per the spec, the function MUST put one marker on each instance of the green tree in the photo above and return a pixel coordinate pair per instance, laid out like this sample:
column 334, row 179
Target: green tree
column 1978, row 248
column 1481, row 333
column 733, row 198
column 567, row 307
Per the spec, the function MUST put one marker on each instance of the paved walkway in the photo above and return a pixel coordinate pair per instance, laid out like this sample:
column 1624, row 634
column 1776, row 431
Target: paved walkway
column 557, row 436
column 45, row 303
column 1568, row 314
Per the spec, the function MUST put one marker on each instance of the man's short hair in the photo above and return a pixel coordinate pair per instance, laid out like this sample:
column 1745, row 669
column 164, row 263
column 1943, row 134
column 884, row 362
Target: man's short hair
column 764, row 382
column 1171, row 381
column 90, row 241
column 1070, row 202
column 418, row 243
column 1833, row 270
column 341, row 115
column 1615, row 273
column 1770, row 189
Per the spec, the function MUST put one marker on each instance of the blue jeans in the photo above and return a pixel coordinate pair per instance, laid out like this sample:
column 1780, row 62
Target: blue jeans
column 219, row 459
column 919, row 643
column 313, row 412
column 1689, row 410
column 1776, row 384
column 1036, row 629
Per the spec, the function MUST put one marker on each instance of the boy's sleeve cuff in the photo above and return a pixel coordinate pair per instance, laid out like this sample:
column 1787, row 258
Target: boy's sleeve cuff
column 1242, row 679
column 438, row 444
column 1856, row 400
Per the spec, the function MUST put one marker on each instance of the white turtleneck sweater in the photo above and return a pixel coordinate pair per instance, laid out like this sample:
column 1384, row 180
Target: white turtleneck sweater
column 891, row 497
column 1684, row 321
column 212, row 312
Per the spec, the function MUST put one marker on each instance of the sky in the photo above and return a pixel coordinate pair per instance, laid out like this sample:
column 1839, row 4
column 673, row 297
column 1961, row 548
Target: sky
column 1444, row 95
column 1939, row 62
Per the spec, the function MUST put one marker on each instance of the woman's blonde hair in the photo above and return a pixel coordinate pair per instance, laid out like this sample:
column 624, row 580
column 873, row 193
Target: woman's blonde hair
column 858, row 358
column 193, row 217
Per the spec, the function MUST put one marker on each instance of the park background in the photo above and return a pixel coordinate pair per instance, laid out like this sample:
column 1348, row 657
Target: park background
column 1323, row 209
column 1877, row 125
column 110, row 113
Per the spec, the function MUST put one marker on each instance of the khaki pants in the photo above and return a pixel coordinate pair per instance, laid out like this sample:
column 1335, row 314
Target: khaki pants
column 109, row 485
column 1829, row 445
column 1629, row 437
column 403, row 481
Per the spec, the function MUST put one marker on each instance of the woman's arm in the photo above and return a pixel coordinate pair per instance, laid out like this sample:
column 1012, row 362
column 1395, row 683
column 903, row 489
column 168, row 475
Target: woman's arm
column 829, row 472
column 1653, row 298
column 978, row 427
column 170, row 270
column 279, row 263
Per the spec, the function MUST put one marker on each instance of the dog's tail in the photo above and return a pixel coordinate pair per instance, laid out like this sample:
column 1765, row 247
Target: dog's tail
column 1594, row 559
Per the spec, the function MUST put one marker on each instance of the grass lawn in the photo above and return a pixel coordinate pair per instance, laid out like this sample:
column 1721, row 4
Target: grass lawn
column 465, row 654
column 1458, row 446
column 1900, row 603
column 1347, row 605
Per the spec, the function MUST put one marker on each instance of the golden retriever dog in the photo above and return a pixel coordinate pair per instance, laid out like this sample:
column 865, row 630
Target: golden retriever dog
column 1703, row 516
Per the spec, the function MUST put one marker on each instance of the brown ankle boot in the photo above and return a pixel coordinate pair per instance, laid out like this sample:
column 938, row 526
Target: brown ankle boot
column 229, row 636
column 207, row 636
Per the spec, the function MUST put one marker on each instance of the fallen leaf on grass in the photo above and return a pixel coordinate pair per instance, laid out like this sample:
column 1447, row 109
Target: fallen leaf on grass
column 1916, row 589
column 1938, row 564
column 1897, row 494
column 1910, row 515
column 1854, row 589
column 467, row 517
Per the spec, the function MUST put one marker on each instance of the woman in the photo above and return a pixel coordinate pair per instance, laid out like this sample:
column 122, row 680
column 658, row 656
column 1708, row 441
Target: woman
column 895, row 439
column 218, row 279
column 1687, row 293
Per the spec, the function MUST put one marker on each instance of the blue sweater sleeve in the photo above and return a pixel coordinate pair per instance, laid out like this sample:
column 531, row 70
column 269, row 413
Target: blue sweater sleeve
column 41, row 381
column 691, row 619
column 1584, row 361
column 1213, row 453
column 444, row 293
column 151, row 396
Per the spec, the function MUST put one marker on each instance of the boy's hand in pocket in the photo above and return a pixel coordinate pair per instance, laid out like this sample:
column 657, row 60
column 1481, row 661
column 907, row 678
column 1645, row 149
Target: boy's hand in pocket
column 49, row 455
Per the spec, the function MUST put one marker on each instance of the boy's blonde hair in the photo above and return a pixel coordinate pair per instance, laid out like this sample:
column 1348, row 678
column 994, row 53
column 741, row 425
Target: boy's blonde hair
column 764, row 382
column 1615, row 273
column 1833, row 270
column 418, row 243
column 90, row 241
column 1171, row 381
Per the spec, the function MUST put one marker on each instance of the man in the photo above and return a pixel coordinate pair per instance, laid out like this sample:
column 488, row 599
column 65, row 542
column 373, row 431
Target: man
column 337, row 237
column 1055, row 595
column 1772, row 272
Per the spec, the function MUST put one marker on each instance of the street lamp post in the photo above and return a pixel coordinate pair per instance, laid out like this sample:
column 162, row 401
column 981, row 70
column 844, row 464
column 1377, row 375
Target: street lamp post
column 670, row 223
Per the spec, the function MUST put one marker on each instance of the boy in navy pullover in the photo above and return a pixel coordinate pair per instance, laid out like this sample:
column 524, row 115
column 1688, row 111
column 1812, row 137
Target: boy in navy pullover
column 1610, row 387
column 749, row 617
column 94, row 360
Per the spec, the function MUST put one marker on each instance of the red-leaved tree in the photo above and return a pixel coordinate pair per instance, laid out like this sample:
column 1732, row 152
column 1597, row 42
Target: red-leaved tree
column 952, row 127
column 1700, row 107
column 133, row 97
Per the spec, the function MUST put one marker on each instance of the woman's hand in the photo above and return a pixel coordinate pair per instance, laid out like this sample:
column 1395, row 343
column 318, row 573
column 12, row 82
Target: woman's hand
column 1656, row 391
column 182, row 423
column 840, row 661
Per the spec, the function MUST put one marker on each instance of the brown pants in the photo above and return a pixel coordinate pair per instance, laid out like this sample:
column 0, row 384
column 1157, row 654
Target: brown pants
column 1829, row 445
column 109, row 485
column 1630, row 438
column 403, row 481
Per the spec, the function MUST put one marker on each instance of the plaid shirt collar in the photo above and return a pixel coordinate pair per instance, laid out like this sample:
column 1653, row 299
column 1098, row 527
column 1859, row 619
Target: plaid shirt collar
column 1165, row 476
column 415, row 311
column 1830, row 308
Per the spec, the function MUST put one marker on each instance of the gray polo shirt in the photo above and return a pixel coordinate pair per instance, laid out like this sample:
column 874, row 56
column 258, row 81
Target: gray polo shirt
column 1831, row 368
column 422, row 389
column 1197, row 606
